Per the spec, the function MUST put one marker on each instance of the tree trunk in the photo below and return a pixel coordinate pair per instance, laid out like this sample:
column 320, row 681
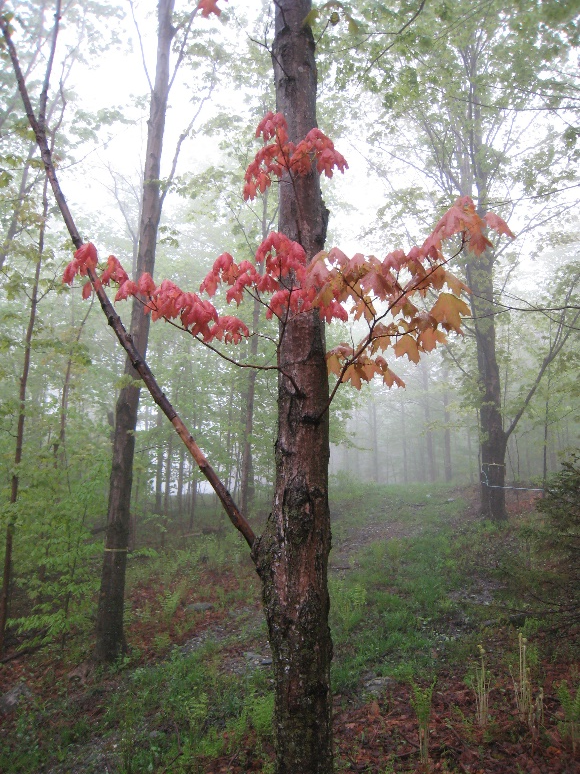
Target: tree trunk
column 19, row 206
column 479, row 272
column 59, row 445
column 469, row 455
column 493, row 439
column 374, row 439
column 193, row 501
column 427, row 415
column 180, row 473
column 168, row 477
column 15, row 480
column 404, row 439
column 109, row 629
column 247, row 488
column 292, row 554
column 447, row 428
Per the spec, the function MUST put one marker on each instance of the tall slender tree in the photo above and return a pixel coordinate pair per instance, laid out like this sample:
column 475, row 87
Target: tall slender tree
column 109, row 627
column 292, row 554
column 473, row 86
column 22, row 397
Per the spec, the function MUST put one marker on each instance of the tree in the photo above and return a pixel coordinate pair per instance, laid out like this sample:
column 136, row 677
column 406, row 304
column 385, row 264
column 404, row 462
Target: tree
column 301, row 285
column 109, row 627
column 466, row 94
column 6, row 576
column 292, row 554
column 26, row 216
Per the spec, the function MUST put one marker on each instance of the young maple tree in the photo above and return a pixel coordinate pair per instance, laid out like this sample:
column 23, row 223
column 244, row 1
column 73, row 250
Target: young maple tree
column 393, row 296
column 301, row 285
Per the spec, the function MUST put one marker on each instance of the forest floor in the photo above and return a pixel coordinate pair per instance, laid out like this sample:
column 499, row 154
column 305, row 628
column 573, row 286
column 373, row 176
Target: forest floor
column 421, row 602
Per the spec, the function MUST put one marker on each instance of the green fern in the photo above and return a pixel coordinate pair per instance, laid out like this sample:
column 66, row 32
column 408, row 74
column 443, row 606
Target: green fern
column 421, row 703
column 571, row 707
column 347, row 602
column 261, row 712
column 172, row 599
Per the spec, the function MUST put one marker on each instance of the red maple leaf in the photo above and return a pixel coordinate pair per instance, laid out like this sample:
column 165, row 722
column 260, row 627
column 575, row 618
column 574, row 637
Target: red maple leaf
column 207, row 7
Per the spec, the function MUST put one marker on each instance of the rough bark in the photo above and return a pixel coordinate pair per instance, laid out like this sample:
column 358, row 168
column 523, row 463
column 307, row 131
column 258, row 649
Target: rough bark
column 292, row 554
column 109, row 628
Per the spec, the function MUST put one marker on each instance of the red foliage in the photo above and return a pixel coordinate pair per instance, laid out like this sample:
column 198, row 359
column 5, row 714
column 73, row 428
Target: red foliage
column 282, row 155
column 385, row 293
column 84, row 258
column 207, row 7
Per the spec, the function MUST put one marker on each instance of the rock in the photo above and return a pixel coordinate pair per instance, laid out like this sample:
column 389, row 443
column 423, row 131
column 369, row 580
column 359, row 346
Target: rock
column 82, row 672
column 9, row 701
column 191, row 645
column 257, row 659
column 377, row 685
column 200, row 607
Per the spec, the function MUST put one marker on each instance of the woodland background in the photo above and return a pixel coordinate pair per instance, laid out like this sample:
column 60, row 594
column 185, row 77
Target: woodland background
column 393, row 98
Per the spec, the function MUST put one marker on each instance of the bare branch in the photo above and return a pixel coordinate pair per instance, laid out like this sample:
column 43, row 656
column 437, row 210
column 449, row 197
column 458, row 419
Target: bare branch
column 141, row 46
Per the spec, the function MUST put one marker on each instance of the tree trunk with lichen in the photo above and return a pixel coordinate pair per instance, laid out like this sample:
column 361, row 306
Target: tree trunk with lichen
column 292, row 554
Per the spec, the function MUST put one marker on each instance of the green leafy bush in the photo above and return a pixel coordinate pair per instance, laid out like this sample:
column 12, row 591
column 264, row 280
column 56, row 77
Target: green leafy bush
column 557, row 542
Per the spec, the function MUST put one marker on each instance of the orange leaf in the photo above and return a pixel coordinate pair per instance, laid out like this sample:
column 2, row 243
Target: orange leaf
column 448, row 310
column 454, row 284
column 407, row 345
column 429, row 339
column 352, row 375
column 333, row 363
column 498, row 224
column 208, row 7
column 478, row 242
column 390, row 378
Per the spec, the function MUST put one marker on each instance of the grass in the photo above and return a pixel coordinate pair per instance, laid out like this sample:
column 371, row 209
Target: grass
column 185, row 699
column 405, row 583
